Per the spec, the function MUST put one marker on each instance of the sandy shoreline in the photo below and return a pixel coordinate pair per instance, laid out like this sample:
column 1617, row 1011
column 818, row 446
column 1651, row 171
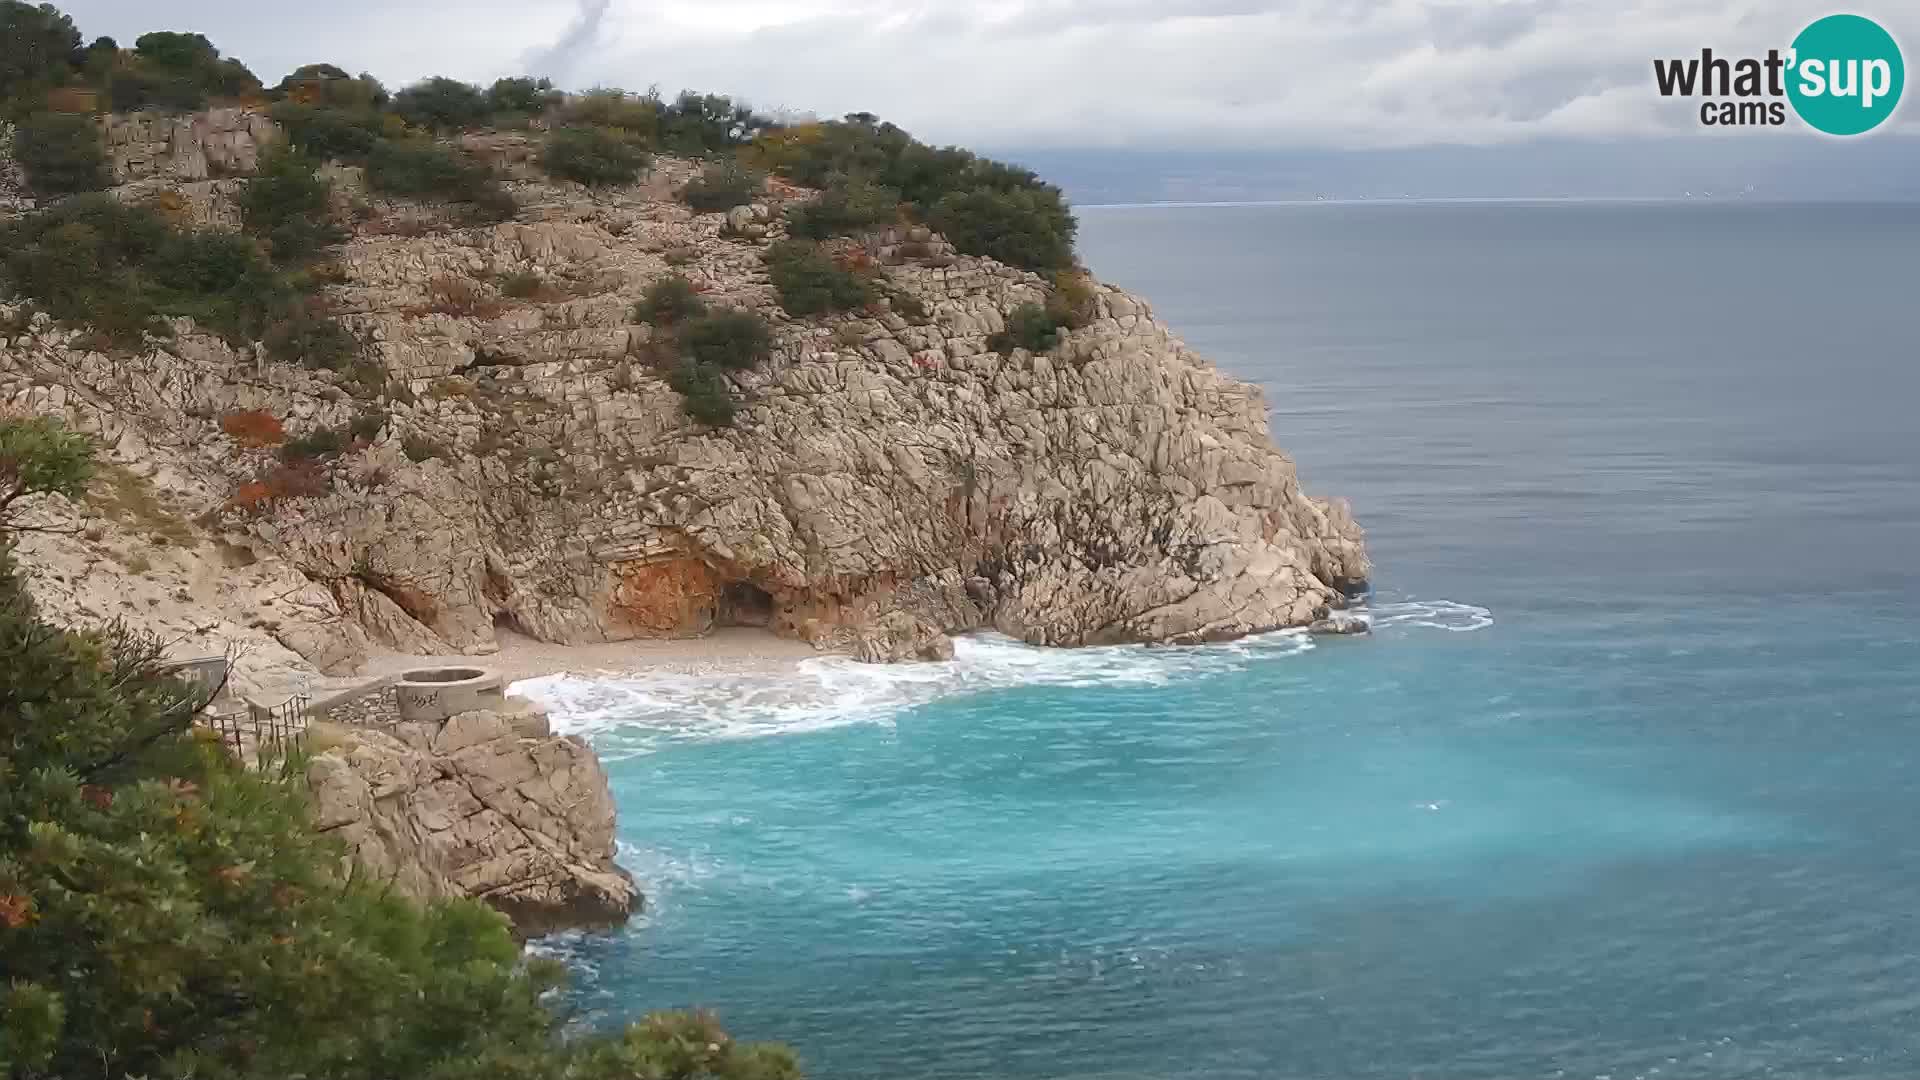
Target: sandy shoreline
column 734, row 650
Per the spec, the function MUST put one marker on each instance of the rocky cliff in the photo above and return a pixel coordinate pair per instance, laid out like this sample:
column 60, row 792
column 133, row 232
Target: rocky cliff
column 889, row 479
column 488, row 806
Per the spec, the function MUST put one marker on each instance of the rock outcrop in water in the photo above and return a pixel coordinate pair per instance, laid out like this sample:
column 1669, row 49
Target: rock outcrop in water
column 889, row 480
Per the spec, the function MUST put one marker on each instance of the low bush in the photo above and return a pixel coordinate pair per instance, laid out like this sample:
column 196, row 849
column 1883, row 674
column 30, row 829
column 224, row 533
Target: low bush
column 419, row 448
column 985, row 207
column 696, row 124
column 290, row 207
column 669, row 300
column 811, row 283
column 331, row 85
column 366, row 426
column 524, row 285
column 1024, row 227
column 593, row 156
column 523, row 94
column 906, row 304
column 1029, row 326
column 309, row 337
column 636, row 115
column 62, row 154
column 849, row 205
column 732, row 339
column 1072, row 299
column 319, row 443
column 723, row 186
column 330, row 133
column 253, row 428
column 414, row 168
column 442, row 104
column 95, row 261
column 300, row 479
column 705, row 394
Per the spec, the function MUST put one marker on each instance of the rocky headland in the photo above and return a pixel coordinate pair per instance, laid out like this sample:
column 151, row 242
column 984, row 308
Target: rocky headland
column 508, row 453
column 890, row 479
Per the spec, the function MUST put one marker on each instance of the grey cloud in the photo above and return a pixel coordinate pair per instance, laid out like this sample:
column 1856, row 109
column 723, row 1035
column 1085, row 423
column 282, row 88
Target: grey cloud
column 556, row 61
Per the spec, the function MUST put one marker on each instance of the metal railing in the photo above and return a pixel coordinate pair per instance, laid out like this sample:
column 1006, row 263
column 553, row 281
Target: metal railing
column 275, row 730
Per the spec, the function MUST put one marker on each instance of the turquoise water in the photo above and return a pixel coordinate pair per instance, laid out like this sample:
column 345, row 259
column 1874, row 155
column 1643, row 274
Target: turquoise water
column 1624, row 785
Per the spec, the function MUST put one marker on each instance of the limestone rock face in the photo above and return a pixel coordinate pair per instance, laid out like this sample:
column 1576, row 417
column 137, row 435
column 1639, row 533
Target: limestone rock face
column 485, row 806
column 889, row 479
column 196, row 146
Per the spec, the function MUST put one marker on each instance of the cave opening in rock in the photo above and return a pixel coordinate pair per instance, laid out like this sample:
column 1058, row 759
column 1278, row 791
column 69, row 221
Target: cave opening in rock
column 742, row 603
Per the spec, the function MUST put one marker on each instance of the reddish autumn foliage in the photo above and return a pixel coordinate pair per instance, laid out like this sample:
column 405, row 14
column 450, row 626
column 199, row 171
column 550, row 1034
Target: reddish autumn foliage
column 253, row 428
column 303, row 479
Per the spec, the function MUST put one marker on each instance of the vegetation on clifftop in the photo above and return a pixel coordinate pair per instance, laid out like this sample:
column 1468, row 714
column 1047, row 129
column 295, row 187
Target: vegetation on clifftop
column 165, row 912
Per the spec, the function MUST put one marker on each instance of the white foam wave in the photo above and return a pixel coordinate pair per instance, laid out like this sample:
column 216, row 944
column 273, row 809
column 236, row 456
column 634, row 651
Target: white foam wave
column 1431, row 614
column 629, row 714
column 638, row 713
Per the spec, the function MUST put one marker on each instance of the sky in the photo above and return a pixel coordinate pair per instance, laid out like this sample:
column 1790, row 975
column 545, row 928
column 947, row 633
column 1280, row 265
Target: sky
column 1097, row 74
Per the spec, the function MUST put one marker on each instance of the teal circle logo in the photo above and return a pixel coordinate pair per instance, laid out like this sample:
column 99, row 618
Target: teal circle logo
column 1845, row 74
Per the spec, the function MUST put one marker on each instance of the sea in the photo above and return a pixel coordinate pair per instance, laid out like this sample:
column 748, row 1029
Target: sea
column 1624, row 784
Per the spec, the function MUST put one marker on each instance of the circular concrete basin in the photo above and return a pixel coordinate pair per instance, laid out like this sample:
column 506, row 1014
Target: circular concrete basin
column 429, row 695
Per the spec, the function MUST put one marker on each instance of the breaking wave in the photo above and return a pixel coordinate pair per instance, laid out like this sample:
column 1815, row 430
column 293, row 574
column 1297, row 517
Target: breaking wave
column 637, row 713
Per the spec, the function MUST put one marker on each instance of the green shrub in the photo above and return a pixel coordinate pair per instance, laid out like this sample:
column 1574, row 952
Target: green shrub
column 169, row 911
column 1025, row 227
column 524, row 285
column 419, row 448
column 906, row 304
column 636, row 115
column 344, row 134
column 330, row 85
column 61, row 154
column 94, row 261
column 312, row 340
column 523, row 94
column 366, row 426
column 850, row 205
column 669, row 300
column 704, row 392
column 422, row 170
column 221, row 279
column 442, row 104
column 172, row 71
column 811, row 283
column 722, row 186
column 41, row 43
column 1029, row 326
column 290, row 207
column 985, row 207
column 593, row 156
column 79, row 262
column 319, row 443
column 732, row 339
column 698, row 124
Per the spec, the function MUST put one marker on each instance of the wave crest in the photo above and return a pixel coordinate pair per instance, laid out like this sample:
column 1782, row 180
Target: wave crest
column 638, row 713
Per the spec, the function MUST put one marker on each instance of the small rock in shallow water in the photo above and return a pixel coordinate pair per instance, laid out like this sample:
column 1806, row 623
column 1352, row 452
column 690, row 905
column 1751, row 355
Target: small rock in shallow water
column 1342, row 624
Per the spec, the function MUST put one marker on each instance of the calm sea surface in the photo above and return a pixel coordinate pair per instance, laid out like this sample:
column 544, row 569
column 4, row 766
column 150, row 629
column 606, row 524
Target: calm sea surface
column 1627, row 783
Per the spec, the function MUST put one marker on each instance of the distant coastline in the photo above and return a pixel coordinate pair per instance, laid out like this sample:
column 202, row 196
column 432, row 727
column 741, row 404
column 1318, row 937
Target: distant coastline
column 1483, row 200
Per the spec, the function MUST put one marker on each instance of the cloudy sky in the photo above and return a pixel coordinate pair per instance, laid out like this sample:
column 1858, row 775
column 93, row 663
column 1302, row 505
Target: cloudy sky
column 1161, row 74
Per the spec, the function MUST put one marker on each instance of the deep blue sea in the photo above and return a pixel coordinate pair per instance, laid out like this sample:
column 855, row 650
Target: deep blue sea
column 1626, row 783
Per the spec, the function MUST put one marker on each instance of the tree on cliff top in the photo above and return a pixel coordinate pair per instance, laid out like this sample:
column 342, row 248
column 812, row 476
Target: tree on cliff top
column 42, row 47
column 165, row 912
